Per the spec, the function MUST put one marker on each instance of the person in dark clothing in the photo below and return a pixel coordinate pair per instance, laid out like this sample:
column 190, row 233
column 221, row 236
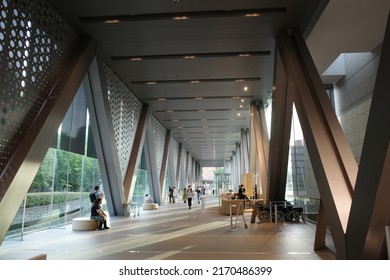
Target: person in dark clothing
column 171, row 194
column 241, row 192
column 98, row 214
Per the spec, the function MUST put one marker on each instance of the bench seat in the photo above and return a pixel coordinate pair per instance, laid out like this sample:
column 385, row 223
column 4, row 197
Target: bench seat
column 150, row 206
column 84, row 223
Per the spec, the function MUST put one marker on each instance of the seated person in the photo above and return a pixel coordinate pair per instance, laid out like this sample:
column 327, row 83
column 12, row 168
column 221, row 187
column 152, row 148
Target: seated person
column 148, row 199
column 98, row 214
column 241, row 192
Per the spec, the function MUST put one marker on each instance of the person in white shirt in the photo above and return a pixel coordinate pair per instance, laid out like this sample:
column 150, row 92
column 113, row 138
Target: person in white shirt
column 148, row 199
column 190, row 195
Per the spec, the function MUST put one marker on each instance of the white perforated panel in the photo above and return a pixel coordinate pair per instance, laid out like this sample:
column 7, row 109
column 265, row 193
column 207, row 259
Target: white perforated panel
column 35, row 44
column 159, row 133
column 125, row 111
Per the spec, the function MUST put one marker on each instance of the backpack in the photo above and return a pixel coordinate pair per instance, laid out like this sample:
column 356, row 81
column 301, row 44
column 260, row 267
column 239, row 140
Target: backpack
column 92, row 197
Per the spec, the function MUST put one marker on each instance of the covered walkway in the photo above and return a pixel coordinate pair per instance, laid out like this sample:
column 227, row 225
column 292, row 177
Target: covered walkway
column 173, row 232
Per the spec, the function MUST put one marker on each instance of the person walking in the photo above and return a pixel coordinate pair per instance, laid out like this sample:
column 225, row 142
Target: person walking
column 189, row 196
column 184, row 197
column 171, row 194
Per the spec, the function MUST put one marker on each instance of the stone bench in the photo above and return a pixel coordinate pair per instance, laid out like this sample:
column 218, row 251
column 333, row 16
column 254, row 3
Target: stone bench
column 150, row 206
column 84, row 223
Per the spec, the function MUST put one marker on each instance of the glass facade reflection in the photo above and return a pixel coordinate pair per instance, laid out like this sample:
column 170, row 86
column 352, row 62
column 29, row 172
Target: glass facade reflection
column 66, row 176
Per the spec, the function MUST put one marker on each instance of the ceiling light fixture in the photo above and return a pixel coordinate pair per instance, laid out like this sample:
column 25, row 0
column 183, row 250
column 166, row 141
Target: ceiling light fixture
column 180, row 18
column 111, row 21
column 151, row 83
column 252, row 15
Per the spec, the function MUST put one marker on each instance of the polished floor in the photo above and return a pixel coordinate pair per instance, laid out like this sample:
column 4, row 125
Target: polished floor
column 174, row 232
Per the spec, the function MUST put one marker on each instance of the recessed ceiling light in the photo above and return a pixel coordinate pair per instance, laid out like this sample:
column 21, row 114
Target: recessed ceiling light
column 110, row 21
column 135, row 58
column 189, row 57
column 180, row 18
column 252, row 15
column 245, row 88
column 151, row 83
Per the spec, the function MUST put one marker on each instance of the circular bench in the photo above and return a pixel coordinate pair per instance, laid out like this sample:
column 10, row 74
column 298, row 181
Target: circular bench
column 150, row 206
column 84, row 223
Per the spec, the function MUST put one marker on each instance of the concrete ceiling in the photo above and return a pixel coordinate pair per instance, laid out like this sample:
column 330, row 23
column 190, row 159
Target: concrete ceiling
column 199, row 64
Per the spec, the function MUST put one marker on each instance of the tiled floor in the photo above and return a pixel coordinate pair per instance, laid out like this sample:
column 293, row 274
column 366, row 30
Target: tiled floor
column 174, row 232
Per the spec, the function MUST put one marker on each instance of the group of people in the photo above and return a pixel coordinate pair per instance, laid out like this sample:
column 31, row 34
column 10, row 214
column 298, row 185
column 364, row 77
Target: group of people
column 101, row 217
column 188, row 195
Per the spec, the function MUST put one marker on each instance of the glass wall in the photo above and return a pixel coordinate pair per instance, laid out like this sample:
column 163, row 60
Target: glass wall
column 66, row 176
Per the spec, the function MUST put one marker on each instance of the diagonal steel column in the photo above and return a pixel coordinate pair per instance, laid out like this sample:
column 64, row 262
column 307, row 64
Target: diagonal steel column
column 334, row 165
column 20, row 172
column 370, row 206
column 244, row 151
column 135, row 156
column 262, row 148
column 165, row 161
column 103, row 136
column 179, row 166
column 280, row 133
column 151, row 162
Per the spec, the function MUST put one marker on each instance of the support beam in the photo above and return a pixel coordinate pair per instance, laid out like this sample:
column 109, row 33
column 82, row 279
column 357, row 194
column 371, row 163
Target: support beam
column 370, row 206
column 136, row 151
column 262, row 148
column 165, row 160
column 280, row 134
column 179, row 166
column 244, row 151
column 151, row 162
column 334, row 165
column 103, row 135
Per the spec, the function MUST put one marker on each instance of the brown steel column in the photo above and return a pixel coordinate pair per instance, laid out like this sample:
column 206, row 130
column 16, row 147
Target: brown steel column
column 262, row 148
column 178, row 166
column 370, row 212
column 135, row 156
column 280, row 133
column 334, row 165
column 165, row 160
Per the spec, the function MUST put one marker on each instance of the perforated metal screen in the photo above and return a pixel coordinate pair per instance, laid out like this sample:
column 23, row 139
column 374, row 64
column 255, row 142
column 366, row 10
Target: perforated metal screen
column 35, row 44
